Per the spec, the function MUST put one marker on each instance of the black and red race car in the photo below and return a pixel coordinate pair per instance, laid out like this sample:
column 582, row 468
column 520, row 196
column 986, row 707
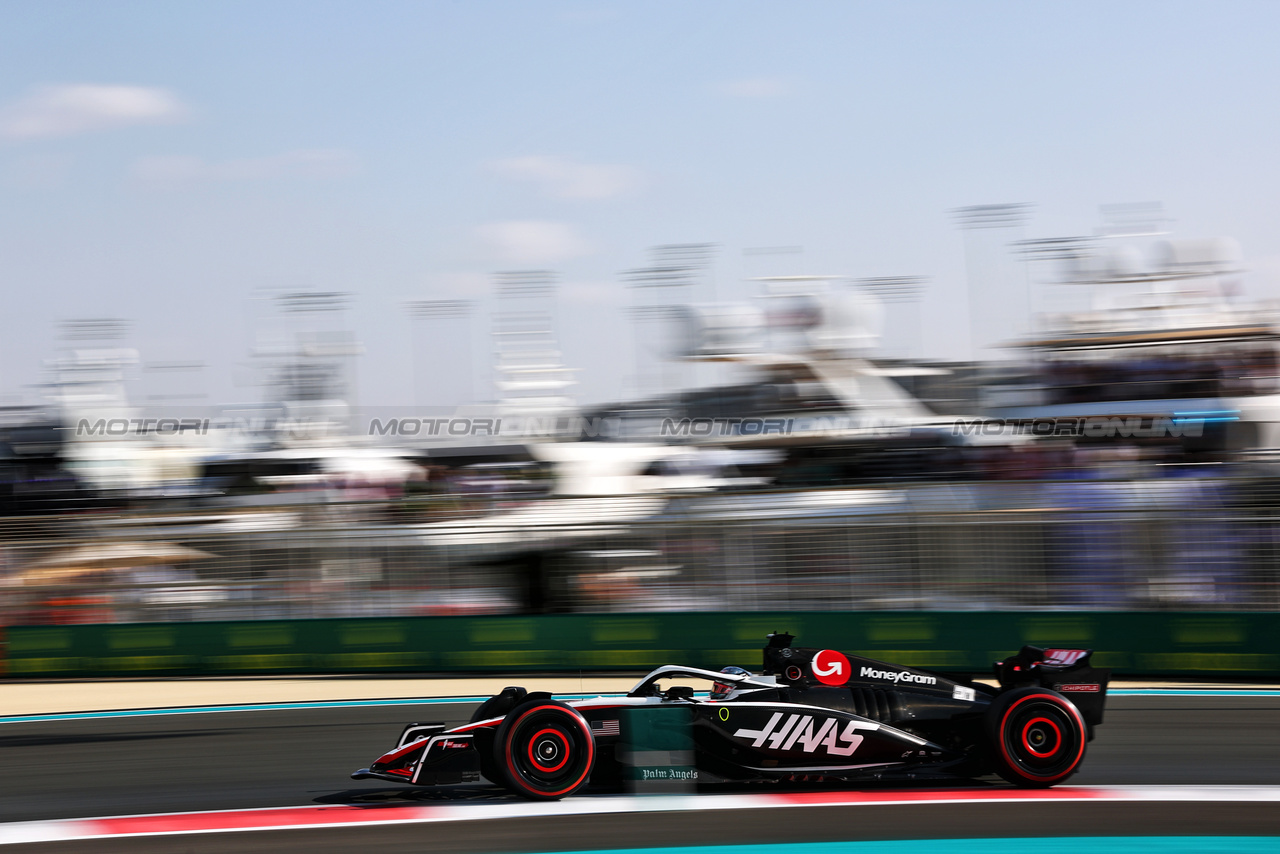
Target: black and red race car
column 811, row 714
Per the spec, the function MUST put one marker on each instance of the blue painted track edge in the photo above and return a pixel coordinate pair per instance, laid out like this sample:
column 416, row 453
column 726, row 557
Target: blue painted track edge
column 1043, row 845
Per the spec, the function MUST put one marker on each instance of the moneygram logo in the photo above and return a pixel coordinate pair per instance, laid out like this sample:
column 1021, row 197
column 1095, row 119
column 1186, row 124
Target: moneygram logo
column 831, row 667
column 897, row 676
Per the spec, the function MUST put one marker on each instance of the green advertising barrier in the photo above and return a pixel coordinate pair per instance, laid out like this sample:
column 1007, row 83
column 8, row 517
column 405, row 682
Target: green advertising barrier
column 1218, row 645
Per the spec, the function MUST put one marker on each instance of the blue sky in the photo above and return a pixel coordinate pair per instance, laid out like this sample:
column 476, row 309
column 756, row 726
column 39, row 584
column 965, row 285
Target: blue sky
column 172, row 163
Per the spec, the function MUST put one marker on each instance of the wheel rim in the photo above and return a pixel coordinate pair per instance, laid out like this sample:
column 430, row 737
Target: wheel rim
column 549, row 751
column 1042, row 738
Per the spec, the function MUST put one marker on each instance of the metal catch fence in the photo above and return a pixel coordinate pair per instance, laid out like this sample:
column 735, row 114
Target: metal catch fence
column 1184, row 544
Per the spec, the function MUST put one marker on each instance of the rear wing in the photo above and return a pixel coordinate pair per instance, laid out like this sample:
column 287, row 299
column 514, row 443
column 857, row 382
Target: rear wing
column 1067, row 671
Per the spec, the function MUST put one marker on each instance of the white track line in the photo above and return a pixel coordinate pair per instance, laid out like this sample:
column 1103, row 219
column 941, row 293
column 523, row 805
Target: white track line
column 312, row 816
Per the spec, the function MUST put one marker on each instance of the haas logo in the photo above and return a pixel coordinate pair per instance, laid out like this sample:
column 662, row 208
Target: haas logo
column 797, row 731
column 831, row 667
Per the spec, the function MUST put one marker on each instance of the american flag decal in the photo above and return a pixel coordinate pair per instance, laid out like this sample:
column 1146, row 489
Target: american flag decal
column 606, row 727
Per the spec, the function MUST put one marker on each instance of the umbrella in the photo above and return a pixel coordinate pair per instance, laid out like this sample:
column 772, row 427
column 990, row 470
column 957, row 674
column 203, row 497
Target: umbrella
column 67, row 564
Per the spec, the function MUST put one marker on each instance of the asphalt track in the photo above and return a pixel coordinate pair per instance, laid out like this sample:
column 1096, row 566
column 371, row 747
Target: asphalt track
column 288, row 757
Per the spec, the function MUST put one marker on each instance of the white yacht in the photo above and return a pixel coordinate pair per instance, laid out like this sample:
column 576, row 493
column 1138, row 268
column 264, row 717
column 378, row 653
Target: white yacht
column 1166, row 341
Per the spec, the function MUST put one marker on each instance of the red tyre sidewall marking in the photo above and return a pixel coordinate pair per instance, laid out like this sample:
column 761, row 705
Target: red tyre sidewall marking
column 581, row 721
column 1027, row 742
column 1067, row 707
column 563, row 743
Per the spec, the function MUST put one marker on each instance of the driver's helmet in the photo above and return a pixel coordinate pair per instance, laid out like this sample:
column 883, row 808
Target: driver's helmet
column 720, row 690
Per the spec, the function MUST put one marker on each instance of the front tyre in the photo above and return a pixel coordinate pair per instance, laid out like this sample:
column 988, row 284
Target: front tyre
column 544, row 750
column 1037, row 736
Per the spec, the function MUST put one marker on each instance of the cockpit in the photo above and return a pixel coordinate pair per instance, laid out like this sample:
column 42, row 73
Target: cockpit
column 725, row 684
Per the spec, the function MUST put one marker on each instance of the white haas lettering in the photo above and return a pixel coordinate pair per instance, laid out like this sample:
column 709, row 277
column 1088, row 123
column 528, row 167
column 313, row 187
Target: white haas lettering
column 798, row 731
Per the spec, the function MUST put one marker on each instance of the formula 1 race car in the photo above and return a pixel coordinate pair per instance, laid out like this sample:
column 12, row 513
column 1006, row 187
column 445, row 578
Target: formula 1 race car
column 810, row 715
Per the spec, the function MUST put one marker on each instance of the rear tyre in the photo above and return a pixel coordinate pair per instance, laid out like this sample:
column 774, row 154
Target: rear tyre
column 544, row 750
column 1037, row 736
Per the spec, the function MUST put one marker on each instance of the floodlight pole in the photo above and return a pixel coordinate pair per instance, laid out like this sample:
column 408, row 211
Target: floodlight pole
column 444, row 310
column 977, row 217
column 900, row 289
column 674, row 266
